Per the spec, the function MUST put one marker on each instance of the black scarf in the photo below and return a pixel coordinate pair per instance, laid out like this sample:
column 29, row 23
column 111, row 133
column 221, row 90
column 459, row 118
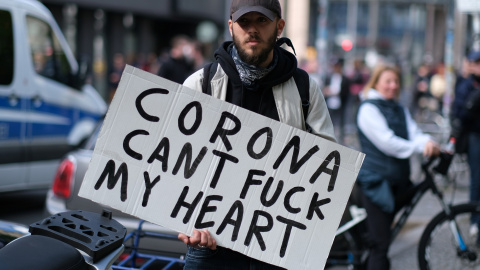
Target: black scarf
column 250, row 74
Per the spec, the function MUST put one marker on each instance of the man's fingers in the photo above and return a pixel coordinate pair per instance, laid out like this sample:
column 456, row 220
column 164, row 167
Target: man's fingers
column 195, row 238
column 183, row 237
column 199, row 239
column 212, row 244
column 204, row 235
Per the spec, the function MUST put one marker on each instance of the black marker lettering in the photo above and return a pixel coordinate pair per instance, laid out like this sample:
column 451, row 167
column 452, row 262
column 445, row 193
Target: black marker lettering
column 223, row 157
column 266, row 188
column 250, row 181
column 189, row 168
column 236, row 223
column 223, row 133
column 253, row 140
column 138, row 103
column 296, row 164
column 257, row 230
column 315, row 207
column 163, row 145
column 199, row 224
column 126, row 143
column 198, row 118
column 190, row 206
column 288, row 196
column 148, row 187
column 113, row 178
column 323, row 169
column 290, row 223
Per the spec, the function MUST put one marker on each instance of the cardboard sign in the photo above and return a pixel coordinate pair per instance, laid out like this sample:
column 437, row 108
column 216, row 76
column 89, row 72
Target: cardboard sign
column 184, row 160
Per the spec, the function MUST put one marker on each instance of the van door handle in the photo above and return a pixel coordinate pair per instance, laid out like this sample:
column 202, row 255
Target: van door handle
column 37, row 101
column 13, row 100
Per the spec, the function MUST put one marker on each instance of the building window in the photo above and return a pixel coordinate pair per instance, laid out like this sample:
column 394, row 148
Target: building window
column 49, row 59
column 6, row 48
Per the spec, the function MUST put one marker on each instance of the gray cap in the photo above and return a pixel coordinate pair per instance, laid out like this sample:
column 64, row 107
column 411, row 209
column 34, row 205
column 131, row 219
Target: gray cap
column 269, row 8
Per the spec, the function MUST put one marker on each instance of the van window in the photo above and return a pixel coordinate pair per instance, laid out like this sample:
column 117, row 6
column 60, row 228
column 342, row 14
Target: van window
column 49, row 60
column 6, row 48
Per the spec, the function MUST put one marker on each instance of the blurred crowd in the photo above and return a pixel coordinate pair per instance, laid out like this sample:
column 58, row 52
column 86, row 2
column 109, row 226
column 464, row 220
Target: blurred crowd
column 342, row 83
column 184, row 56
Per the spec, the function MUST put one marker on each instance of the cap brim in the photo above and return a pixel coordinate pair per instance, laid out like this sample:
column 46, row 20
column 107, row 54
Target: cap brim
column 239, row 13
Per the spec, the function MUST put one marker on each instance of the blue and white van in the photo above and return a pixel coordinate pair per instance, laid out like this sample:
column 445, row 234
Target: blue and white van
column 45, row 109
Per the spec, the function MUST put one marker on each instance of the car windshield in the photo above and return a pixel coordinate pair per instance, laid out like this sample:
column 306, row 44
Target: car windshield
column 90, row 144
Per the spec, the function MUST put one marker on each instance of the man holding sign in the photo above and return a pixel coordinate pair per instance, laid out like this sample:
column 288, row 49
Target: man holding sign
column 255, row 73
column 237, row 163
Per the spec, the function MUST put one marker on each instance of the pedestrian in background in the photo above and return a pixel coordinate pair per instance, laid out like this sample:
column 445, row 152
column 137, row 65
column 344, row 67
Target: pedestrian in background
column 438, row 85
column 179, row 63
column 116, row 70
column 466, row 124
column 389, row 137
column 337, row 92
column 421, row 89
column 255, row 73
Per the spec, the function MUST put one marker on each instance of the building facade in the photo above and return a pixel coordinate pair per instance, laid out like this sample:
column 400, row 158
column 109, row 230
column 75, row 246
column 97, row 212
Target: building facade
column 99, row 30
column 403, row 31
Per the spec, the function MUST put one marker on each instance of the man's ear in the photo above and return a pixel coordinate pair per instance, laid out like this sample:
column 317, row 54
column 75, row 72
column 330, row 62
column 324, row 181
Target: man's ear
column 230, row 27
column 280, row 27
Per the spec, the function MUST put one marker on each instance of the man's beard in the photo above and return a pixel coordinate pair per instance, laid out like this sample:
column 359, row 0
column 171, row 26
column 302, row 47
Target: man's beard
column 255, row 59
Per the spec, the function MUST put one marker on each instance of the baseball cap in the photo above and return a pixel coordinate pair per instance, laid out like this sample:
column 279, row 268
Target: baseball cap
column 269, row 8
column 474, row 56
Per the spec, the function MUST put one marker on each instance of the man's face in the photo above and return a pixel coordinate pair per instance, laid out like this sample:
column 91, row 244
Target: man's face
column 254, row 36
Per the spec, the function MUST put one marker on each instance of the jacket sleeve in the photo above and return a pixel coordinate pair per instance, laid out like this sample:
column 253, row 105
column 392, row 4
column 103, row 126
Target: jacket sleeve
column 195, row 80
column 318, row 117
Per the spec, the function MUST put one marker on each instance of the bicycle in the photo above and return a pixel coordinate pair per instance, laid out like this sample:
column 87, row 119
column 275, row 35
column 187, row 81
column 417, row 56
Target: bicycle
column 445, row 242
column 133, row 258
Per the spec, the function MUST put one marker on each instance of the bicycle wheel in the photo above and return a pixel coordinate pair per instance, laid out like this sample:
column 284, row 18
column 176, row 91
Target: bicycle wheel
column 347, row 251
column 438, row 248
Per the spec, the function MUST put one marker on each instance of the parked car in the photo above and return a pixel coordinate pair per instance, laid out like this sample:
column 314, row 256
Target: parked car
column 63, row 196
column 46, row 108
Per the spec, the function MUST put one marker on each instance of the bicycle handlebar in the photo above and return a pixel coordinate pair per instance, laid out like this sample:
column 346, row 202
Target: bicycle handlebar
column 442, row 166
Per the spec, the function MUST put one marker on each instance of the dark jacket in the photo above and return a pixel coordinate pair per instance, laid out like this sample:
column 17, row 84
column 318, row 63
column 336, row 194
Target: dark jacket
column 382, row 177
column 463, row 94
column 260, row 99
column 176, row 70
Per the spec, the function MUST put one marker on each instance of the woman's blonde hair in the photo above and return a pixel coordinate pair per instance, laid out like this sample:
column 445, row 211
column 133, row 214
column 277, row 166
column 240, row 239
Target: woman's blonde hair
column 376, row 76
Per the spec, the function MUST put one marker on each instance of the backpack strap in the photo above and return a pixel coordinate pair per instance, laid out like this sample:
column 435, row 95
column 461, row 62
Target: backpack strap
column 209, row 71
column 302, row 80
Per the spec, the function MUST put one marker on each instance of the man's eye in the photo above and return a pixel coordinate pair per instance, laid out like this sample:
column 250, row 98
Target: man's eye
column 262, row 19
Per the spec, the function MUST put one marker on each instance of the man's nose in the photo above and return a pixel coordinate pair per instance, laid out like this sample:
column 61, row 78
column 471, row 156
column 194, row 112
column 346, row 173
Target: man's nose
column 251, row 28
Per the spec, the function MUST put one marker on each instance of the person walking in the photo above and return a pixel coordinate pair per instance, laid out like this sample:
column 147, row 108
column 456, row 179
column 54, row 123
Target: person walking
column 179, row 63
column 389, row 137
column 466, row 122
column 337, row 94
column 255, row 73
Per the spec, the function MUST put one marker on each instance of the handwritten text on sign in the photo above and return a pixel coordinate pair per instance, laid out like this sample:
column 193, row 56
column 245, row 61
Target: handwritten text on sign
column 185, row 160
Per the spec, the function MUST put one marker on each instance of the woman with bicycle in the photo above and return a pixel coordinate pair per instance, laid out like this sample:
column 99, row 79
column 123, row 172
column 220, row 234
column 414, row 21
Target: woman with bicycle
column 389, row 137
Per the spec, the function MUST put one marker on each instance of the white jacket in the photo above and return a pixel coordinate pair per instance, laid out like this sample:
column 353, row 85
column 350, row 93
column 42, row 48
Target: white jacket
column 289, row 104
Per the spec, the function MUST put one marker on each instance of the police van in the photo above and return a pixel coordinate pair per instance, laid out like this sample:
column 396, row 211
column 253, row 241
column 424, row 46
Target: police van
column 45, row 109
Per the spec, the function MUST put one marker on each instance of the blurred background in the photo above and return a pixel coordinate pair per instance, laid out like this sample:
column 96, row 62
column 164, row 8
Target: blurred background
column 408, row 33
column 427, row 39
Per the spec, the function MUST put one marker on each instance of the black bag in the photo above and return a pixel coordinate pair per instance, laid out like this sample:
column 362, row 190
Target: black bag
column 461, row 142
